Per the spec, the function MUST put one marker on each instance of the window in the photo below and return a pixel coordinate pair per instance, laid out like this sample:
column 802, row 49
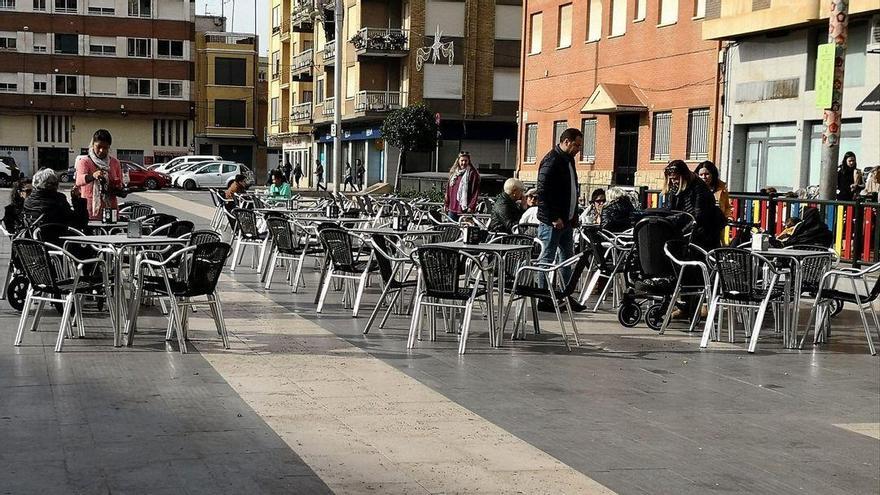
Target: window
column 261, row 75
column 40, row 5
column 594, row 20
column 536, row 23
column 230, row 71
column 661, row 132
column 588, row 153
column 65, row 85
column 7, row 4
column 170, row 89
column 618, row 17
column 668, row 12
column 102, row 7
column 351, row 81
column 850, row 140
column 136, row 156
column 531, row 142
column 7, row 44
column 564, row 29
column 273, row 110
column 230, row 113
column 63, row 6
column 139, row 47
column 559, row 127
column 138, row 87
column 102, row 86
column 276, row 19
column 8, row 87
column 699, row 8
column 67, row 44
column 102, row 46
column 40, row 87
column 40, row 42
column 169, row 48
column 140, row 8
column 641, row 10
column 213, row 168
column 228, row 168
column 698, row 134
column 319, row 90
column 276, row 64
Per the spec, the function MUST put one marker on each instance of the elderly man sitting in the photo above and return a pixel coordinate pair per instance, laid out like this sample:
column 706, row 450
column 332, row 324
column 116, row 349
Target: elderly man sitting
column 507, row 210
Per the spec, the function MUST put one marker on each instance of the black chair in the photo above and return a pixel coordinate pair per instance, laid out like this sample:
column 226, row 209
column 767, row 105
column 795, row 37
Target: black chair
column 247, row 233
column 204, row 236
column 137, row 211
column 558, row 293
column 447, row 232
column 204, row 264
column 153, row 221
column 60, row 282
column 289, row 243
column 390, row 263
column 445, row 282
column 177, row 228
column 607, row 253
column 345, row 264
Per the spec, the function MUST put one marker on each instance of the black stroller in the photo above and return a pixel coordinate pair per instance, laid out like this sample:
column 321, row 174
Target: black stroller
column 650, row 275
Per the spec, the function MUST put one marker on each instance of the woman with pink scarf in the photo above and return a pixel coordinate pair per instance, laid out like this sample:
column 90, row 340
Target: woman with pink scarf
column 99, row 175
column 463, row 188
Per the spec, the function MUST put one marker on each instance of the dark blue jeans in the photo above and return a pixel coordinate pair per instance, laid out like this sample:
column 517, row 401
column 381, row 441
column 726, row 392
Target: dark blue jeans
column 557, row 245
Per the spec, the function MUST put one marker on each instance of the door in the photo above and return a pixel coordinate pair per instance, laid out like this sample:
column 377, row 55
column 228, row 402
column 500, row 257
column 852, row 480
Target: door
column 54, row 158
column 626, row 148
column 209, row 176
column 227, row 173
column 770, row 158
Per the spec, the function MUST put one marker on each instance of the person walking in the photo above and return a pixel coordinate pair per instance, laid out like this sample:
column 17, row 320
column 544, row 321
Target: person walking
column 297, row 173
column 360, row 172
column 557, row 205
column 319, row 176
column 99, row 175
column 287, row 169
column 849, row 178
column 463, row 188
column 349, row 179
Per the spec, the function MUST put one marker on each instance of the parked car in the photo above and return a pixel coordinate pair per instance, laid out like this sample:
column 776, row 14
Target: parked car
column 169, row 166
column 9, row 172
column 139, row 176
column 184, row 168
column 214, row 174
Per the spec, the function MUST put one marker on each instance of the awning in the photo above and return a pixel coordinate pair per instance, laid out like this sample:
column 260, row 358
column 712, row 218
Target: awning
column 615, row 98
column 871, row 103
column 356, row 135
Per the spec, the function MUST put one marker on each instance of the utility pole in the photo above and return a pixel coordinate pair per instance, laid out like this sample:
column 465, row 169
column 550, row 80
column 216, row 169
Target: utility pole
column 838, row 23
column 337, row 95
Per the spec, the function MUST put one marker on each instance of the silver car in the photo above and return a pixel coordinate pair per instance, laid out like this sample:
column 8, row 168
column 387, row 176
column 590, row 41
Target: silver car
column 213, row 174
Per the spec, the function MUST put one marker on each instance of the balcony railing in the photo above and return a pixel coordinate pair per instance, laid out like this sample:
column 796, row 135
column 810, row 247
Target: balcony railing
column 301, row 113
column 327, row 110
column 379, row 101
column 230, row 38
column 301, row 13
column 329, row 52
column 386, row 42
column 302, row 62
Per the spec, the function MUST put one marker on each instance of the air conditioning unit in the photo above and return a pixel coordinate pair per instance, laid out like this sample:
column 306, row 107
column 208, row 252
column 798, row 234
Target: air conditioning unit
column 874, row 35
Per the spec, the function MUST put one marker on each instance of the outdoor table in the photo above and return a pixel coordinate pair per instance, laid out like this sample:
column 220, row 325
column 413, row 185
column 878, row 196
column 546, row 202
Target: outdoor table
column 481, row 219
column 106, row 227
column 797, row 258
column 391, row 232
column 499, row 251
column 340, row 220
column 118, row 244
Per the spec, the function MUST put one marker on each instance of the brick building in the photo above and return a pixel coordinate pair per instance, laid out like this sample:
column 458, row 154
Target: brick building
column 69, row 67
column 634, row 75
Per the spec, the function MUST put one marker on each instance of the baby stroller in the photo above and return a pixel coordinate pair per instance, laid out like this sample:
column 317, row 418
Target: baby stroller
column 649, row 274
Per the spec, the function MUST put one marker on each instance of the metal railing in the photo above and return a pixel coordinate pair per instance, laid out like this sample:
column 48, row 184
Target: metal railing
column 378, row 101
column 301, row 12
column 301, row 112
column 329, row 51
column 381, row 39
column 230, row 38
column 302, row 60
column 327, row 109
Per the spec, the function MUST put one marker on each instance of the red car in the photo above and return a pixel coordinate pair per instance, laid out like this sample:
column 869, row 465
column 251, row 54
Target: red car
column 139, row 177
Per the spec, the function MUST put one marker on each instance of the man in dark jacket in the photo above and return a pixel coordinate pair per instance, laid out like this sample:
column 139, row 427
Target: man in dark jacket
column 507, row 210
column 557, row 200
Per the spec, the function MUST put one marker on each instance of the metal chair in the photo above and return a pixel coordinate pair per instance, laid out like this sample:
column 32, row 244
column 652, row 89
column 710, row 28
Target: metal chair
column 204, row 264
column 154, row 221
column 687, row 259
column 138, row 211
column 445, row 283
column 345, row 264
column 390, row 266
column 863, row 299
column 177, row 228
column 59, row 283
column 607, row 255
column 289, row 243
column 742, row 285
column 246, row 233
column 447, row 232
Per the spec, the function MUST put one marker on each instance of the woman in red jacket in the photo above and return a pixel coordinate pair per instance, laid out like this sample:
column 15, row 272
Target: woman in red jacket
column 463, row 188
column 99, row 175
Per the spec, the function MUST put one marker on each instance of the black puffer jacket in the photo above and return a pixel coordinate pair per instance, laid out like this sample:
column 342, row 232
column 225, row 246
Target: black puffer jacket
column 54, row 207
column 505, row 214
column 617, row 215
column 554, row 187
column 699, row 201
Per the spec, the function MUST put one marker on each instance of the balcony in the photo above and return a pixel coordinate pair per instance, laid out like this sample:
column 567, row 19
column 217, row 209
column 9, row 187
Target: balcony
column 327, row 110
column 302, row 113
column 301, row 65
column 378, row 101
column 329, row 53
column 381, row 42
column 230, row 38
column 285, row 30
column 302, row 15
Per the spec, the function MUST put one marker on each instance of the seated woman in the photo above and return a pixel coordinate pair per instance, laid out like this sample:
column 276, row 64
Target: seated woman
column 53, row 206
column 592, row 214
column 811, row 230
column 279, row 188
column 12, row 212
column 617, row 214
column 238, row 186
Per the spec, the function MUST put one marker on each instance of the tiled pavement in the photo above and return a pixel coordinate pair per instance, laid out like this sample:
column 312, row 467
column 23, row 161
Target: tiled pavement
column 303, row 403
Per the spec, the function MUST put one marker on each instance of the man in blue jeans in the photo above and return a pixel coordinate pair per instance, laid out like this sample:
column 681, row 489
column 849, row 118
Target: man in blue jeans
column 557, row 205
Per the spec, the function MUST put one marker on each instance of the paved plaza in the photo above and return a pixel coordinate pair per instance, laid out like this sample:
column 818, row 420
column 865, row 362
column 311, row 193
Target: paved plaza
column 305, row 403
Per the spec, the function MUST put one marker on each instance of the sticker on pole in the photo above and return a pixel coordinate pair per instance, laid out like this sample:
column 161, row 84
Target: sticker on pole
column 825, row 75
column 332, row 130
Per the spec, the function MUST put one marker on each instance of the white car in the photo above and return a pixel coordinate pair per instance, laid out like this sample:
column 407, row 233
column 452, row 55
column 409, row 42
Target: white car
column 174, row 163
column 213, row 174
column 183, row 168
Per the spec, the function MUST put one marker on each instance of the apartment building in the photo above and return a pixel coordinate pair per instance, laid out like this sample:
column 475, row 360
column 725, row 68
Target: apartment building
column 634, row 75
column 772, row 134
column 468, row 75
column 230, row 118
column 69, row 67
